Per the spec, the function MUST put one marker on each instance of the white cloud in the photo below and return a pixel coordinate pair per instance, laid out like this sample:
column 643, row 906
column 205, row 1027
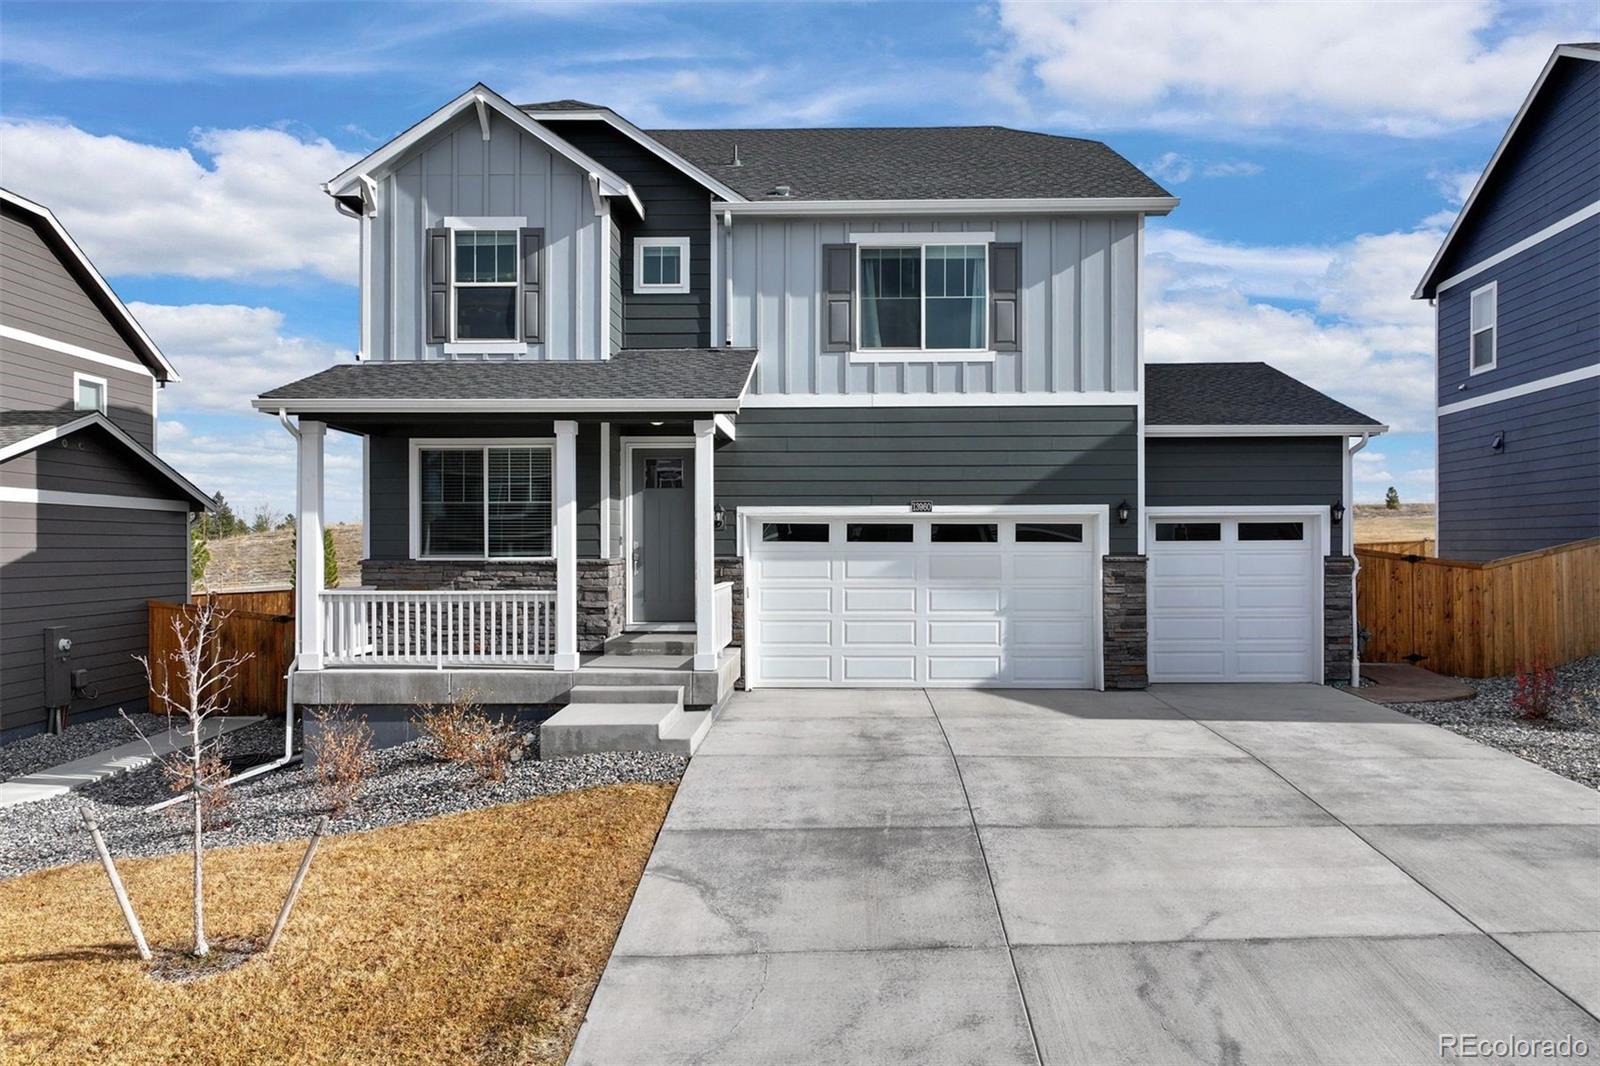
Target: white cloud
column 254, row 466
column 228, row 353
column 1455, row 185
column 1407, row 69
column 255, row 209
column 1385, row 463
column 1176, row 168
column 1239, row 168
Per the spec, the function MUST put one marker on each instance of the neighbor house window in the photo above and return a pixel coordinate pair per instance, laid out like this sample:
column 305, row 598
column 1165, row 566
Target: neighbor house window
column 1485, row 320
column 486, row 283
column 484, row 501
column 660, row 264
column 89, row 393
column 926, row 297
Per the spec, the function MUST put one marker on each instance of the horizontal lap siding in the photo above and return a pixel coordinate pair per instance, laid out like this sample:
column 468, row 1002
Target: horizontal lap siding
column 91, row 569
column 90, row 460
column 996, row 456
column 1549, row 171
column 1243, row 471
column 39, row 294
column 1078, row 322
column 1543, row 489
column 1548, row 304
column 39, row 379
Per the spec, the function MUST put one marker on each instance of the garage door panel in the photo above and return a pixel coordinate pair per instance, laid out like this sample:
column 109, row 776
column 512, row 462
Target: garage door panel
column 792, row 632
column 1268, row 628
column 944, row 634
column 963, row 668
column 903, row 634
column 1049, row 600
column 1287, row 665
column 806, row 600
column 1066, row 669
column 958, row 599
column 1179, row 563
column 903, row 568
column 797, row 667
column 796, row 569
column 880, row 600
column 1190, row 626
column 1197, row 665
column 1267, row 597
column 880, row 668
column 1075, row 568
column 1188, row 597
column 965, row 567
column 1253, row 564
column 1066, row 633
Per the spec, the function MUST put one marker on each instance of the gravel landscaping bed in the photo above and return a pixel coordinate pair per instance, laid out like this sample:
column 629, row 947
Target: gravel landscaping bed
column 407, row 783
column 1567, row 743
column 42, row 750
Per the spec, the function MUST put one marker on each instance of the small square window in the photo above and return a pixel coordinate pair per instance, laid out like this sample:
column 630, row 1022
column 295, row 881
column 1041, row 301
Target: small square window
column 794, row 532
column 663, row 473
column 966, row 533
column 1049, row 533
column 878, row 533
column 660, row 264
column 1188, row 531
column 91, row 394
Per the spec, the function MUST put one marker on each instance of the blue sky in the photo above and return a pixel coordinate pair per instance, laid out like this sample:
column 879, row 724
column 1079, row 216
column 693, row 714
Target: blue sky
column 1320, row 152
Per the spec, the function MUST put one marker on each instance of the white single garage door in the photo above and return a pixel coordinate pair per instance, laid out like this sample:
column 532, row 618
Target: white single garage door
column 924, row 601
column 1234, row 599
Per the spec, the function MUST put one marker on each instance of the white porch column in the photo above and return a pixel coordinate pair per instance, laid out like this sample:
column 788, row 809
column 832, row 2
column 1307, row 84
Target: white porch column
column 309, row 577
column 705, row 548
column 566, row 478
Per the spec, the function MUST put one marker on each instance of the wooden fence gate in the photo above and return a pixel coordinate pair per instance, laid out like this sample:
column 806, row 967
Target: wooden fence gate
column 1480, row 619
column 268, row 638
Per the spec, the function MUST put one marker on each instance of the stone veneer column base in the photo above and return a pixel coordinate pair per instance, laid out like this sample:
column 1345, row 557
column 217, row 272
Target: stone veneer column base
column 1338, row 628
column 1125, row 621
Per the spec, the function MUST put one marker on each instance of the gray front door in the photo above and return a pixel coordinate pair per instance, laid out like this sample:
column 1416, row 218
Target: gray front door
column 663, row 535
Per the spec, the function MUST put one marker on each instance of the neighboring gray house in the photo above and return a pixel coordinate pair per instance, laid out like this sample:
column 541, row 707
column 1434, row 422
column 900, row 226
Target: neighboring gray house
column 1516, row 291
column 836, row 406
column 92, row 524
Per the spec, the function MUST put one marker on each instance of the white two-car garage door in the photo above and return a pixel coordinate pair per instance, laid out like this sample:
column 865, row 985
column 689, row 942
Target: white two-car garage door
column 1235, row 599
column 923, row 601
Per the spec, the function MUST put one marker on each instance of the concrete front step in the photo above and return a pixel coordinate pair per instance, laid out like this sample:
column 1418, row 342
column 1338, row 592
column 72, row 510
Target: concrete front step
column 626, row 693
column 651, row 644
column 590, row 724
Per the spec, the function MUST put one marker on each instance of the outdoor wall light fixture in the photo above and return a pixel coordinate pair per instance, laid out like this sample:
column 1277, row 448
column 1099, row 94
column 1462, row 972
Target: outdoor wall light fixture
column 1337, row 510
column 719, row 517
column 1498, row 444
column 1123, row 512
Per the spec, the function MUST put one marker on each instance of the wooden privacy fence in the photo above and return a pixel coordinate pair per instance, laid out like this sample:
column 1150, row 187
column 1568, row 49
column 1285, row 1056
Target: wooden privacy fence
column 261, row 601
column 1423, row 546
column 268, row 638
column 1480, row 619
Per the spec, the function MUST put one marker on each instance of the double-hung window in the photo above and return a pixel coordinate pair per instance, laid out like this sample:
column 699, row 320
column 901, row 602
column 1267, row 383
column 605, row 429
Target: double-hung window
column 1485, row 313
column 486, row 280
column 483, row 501
column 927, row 296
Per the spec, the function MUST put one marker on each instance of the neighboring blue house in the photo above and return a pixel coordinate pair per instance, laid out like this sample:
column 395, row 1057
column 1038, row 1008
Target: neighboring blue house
column 1516, row 287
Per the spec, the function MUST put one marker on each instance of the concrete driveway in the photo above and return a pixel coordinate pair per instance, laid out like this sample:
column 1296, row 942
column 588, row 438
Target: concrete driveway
column 1278, row 873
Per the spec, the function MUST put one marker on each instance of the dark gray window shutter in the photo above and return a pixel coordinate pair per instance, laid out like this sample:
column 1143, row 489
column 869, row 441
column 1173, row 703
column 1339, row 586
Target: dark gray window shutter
column 1005, row 273
column 533, row 285
column 438, row 286
column 838, row 297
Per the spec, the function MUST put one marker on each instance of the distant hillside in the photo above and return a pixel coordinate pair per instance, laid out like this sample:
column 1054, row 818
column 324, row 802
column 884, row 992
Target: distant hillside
column 265, row 560
column 1374, row 521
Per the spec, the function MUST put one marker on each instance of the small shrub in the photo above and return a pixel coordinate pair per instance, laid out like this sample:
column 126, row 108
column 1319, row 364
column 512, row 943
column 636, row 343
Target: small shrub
column 1537, row 691
column 342, row 751
column 460, row 732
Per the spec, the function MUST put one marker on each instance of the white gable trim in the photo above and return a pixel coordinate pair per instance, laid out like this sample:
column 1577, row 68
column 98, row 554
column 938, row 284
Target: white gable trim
column 95, row 418
column 1081, row 205
column 1286, row 430
column 117, row 306
column 1565, row 51
column 54, row 344
column 479, row 97
column 644, row 140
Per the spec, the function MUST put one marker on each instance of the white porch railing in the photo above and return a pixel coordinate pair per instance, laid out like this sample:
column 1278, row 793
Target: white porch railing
column 722, row 614
column 365, row 627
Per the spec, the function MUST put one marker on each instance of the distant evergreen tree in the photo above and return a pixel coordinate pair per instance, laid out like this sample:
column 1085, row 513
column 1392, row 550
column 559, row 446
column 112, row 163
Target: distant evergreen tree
column 1391, row 499
column 199, row 550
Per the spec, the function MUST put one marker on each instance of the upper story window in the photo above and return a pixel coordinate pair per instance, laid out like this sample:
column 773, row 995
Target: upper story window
column 88, row 393
column 483, row 501
column 660, row 264
column 924, row 297
column 486, row 281
column 1485, row 327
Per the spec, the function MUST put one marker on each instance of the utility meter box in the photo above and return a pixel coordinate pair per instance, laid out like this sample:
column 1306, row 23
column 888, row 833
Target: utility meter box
column 57, row 666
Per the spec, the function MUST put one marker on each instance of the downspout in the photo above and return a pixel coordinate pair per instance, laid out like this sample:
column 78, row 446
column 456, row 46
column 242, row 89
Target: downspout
column 727, row 270
column 1355, row 568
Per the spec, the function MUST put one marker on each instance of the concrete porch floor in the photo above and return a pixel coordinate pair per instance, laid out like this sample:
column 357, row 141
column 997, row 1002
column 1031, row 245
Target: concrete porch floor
column 1190, row 874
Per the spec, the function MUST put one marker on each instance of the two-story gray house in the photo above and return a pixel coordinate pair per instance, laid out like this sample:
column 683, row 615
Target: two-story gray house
column 1516, row 292
column 814, row 407
column 92, row 523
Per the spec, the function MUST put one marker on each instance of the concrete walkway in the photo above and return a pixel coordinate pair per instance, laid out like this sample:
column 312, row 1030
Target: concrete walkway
column 59, row 780
column 1194, row 874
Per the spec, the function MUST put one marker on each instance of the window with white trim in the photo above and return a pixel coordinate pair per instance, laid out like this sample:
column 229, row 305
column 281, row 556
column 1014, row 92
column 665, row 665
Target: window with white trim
column 88, row 393
column 660, row 264
column 925, row 297
column 1485, row 327
column 485, row 502
column 487, row 278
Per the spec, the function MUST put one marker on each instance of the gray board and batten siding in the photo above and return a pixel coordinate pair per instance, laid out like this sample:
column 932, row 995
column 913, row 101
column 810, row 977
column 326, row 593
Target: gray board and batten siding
column 456, row 173
column 1078, row 310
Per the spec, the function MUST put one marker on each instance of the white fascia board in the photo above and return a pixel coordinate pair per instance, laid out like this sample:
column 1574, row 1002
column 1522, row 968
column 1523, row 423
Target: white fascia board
column 1262, row 431
column 1527, row 388
column 725, row 426
column 377, row 162
column 947, row 399
column 649, row 143
column 1578, row 217
column 97, row 419
column 1560, row 53
column 44, row 213
column 1105, row 205
column 60, row 498
column 490, row 406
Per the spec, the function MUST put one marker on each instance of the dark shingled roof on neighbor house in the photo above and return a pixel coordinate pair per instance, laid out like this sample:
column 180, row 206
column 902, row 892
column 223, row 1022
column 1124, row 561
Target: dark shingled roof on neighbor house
column 18, row 426
column 1239, row 394
column 666, row 374
column 911, row 163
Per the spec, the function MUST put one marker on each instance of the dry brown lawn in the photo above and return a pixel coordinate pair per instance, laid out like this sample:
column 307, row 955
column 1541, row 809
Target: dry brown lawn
column 1374, row 522
column 266, row 560
column 474, row 937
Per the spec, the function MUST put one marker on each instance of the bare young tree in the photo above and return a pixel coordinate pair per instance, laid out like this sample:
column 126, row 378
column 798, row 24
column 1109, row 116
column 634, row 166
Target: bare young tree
column 194, row 681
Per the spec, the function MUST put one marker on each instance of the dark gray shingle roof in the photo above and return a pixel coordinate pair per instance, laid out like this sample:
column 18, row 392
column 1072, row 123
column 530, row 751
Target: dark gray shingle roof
column 563, row 105
column 629, row 375
column 18, row 426
column 1238, row 394
column 910, row 163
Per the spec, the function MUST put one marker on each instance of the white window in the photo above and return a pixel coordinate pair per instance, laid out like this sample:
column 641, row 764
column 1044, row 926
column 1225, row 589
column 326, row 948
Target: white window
column 482, row 500
column 88, row 393
column 487, row 278
column 1485, row 319
column 660, row 264
column 927, row 296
